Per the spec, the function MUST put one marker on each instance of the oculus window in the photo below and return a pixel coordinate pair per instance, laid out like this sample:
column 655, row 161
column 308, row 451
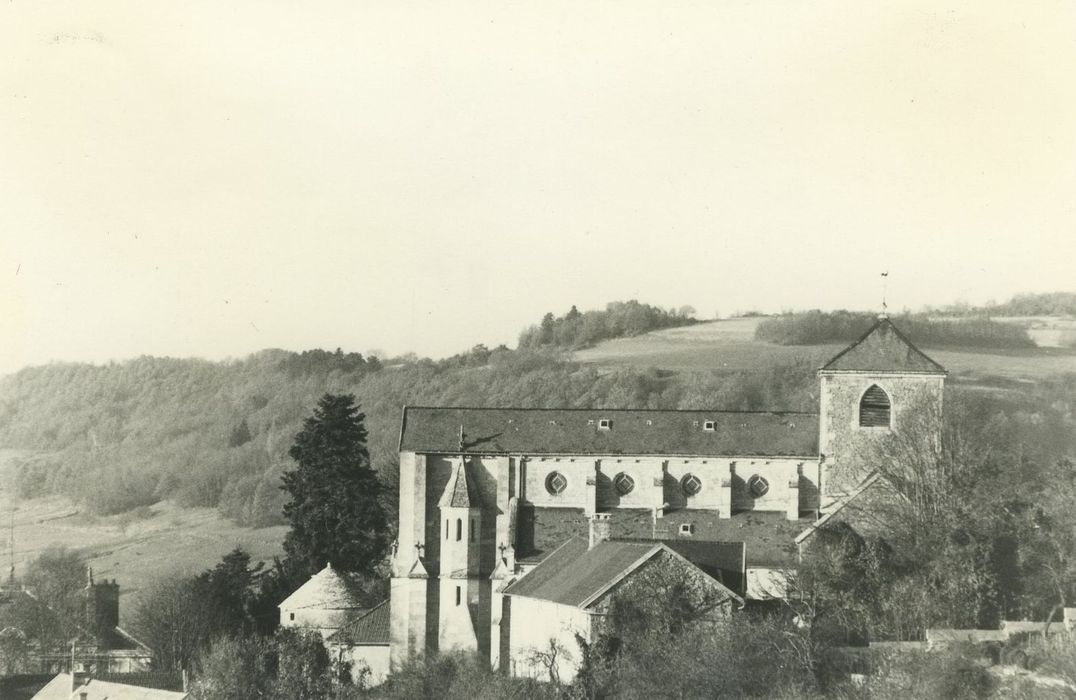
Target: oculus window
column 624, row 484
column 555, row 483
column 691, row 484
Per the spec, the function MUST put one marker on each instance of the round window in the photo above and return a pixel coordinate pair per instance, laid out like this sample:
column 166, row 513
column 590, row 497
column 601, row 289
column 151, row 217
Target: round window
column 555, row 483
column 624, row 484
column 691, row 484
column 758, row 485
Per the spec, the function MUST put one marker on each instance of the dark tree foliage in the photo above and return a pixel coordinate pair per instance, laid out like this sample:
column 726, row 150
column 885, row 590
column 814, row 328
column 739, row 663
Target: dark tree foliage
column 321, row 362
column 820, row 327
column 335, row 511
column 180, row 617
column 619, row 319
column 240, row 434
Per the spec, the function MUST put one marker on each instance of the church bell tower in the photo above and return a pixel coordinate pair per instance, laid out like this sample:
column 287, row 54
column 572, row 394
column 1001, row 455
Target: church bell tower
column 879, row 385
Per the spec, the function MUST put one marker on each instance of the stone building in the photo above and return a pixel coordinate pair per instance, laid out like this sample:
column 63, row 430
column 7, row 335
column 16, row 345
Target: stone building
column 491, row 497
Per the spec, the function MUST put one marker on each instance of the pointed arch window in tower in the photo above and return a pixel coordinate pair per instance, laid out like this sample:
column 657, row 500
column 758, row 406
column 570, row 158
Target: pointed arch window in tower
column 874, row 408
column 459, row 529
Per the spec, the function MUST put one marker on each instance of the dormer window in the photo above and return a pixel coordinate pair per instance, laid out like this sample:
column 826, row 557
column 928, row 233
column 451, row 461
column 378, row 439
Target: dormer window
column 709, row 426
column 604, row 424
column 874, row 408
column 687, row 529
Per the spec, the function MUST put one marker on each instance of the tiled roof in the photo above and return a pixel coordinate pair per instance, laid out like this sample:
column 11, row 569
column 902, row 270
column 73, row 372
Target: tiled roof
column 369, row 629
column 883, row 348
column 460, row 491
column 768, row 537
column 632, row 432
column 572, row 574
column 328, row 589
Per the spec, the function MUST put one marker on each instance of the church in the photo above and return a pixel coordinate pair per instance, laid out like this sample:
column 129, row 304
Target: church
column 518, row 526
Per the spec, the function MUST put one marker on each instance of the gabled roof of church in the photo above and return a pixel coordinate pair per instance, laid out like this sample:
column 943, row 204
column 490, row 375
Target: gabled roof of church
column 560, row 431
column 883, row 348
column 328, row 589
column 460, row 491
column 577, row 575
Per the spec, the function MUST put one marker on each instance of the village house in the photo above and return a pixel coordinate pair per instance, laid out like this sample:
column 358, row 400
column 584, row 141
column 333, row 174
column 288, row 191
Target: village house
column 99, row 644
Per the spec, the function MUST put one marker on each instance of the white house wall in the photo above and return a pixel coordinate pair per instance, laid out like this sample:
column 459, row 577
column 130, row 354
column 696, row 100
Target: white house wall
column 536, row 622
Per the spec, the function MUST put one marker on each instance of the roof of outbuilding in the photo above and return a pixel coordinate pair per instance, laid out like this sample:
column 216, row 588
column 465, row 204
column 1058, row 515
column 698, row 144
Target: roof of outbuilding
column 368, row 629
column 572, row 573
column 883, row 348
column 537, row 431
column 328, row 589
column 577, row 575
column 59, row 688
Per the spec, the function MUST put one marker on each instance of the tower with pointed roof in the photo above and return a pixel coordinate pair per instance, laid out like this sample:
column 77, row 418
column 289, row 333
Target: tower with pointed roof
column 871, row 389
column 464, row 591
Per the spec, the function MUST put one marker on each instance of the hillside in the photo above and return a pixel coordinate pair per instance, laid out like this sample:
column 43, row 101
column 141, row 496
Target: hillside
column 156, row 463
column 731, row 345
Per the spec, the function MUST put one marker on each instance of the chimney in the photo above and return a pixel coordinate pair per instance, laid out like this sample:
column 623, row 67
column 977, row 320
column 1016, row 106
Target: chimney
column 599, row 529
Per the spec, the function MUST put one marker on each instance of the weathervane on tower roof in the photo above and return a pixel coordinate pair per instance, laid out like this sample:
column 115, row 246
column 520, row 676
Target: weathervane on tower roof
column 885, row 282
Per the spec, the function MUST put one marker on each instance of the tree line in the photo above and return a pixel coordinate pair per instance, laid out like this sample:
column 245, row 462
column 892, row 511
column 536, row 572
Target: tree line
column 822, row 327
column 619, row 319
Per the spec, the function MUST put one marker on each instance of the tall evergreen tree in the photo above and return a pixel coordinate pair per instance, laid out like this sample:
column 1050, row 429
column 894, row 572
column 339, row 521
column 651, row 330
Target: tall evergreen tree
column 334, row 512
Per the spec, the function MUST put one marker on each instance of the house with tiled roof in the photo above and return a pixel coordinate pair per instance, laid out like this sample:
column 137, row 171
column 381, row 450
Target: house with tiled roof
column 496, row 504
column 363, row 642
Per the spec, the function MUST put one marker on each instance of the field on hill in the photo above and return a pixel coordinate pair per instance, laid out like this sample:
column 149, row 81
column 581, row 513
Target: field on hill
column 135, row 548
column 731, row 345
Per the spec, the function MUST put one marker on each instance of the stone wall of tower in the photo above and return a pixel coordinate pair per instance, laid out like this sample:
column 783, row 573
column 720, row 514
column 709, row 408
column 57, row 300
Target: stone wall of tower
column 844, row 445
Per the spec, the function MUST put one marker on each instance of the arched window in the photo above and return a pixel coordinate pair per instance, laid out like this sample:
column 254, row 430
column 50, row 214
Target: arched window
column 459, row 529
column 874, row 408
column 447, row 530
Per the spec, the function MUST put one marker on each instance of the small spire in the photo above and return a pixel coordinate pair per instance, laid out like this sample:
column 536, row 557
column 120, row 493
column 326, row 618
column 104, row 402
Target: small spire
column 89, row 576
column 461, row 438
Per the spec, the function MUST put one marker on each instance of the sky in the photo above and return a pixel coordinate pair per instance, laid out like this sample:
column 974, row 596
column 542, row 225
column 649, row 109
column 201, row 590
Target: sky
column 213, row 178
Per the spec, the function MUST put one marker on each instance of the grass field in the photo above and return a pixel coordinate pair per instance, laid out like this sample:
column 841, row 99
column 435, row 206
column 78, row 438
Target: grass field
column 136, row 550
column 730, row 345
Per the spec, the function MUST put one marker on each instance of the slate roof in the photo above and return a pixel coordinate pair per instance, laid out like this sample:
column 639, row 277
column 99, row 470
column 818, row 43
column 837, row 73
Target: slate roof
column 769, row 538
column 460, row 491
column 368, row 629
column 575, row 575
column 538, row 431
column 572, row 574
column 883, row 348
column 328, row 589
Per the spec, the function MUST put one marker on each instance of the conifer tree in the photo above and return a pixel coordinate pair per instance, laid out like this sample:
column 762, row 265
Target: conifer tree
column 334, row 512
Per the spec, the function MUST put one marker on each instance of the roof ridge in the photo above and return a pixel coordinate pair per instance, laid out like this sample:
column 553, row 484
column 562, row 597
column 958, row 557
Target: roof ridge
column 536, row 409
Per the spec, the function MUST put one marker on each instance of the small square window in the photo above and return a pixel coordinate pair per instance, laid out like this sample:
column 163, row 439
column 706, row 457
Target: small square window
column 605, row 424
column 590, row 422
column 694, row 424
column 687, row 529
column 709, row 425
column 649, row 422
